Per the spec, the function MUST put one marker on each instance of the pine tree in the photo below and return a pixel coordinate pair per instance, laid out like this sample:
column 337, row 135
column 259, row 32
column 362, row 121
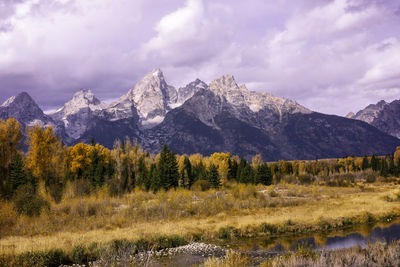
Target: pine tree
column 392, row 168
column 154, row 183
column 187, row 173
column 240, row 168
column 365, row 163
column 173, row 173
column 384, row 168
column 263, row 174
column 247, row 175
column 168, row 168
column 17, row 176
column 232, row 169
column 213, row 176
column 374, row 163
column 142, row 175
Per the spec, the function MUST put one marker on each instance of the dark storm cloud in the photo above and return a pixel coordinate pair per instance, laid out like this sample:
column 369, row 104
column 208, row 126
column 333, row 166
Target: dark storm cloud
column 330, row 55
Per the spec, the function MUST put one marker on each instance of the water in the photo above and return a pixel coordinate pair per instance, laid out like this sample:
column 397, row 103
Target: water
column 266, row 247
column 360, row 236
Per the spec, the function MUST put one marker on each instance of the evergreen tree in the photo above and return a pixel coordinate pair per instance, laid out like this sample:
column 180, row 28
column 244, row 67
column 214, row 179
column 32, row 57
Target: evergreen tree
column 213, row 176
column 247, row 175
column 17, row 176
column 374, row 163
column 154, row 181
column 232, row 169
column 392, row 168
column 263, row 174
column 187, row 173
column 168, row 168
column 142, row 175
column 173, row 173
column 384, row 168
column 240, row 168
column 365, row 163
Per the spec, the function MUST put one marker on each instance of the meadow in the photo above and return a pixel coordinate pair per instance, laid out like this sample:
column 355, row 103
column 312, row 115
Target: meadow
column 181, row 216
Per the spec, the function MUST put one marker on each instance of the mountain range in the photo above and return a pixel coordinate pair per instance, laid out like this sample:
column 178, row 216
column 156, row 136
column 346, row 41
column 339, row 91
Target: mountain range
column 205, row 118
column 384, row 116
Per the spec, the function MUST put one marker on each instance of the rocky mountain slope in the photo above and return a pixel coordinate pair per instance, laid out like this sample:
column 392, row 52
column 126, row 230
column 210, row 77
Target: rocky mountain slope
column 201, row 118
column 384, row 116
column 25, row 110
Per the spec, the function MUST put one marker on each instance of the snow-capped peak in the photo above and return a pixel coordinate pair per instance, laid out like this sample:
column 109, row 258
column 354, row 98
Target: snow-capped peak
column 84, row 98
column 18, row 99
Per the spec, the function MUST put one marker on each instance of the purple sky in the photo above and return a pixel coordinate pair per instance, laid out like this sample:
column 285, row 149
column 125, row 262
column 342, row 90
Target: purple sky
column 330, row 56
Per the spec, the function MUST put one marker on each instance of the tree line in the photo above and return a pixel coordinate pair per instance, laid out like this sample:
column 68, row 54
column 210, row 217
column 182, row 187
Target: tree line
column 126, row 166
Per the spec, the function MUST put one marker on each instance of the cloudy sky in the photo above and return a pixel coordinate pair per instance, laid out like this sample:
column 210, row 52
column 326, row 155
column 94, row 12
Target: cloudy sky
column 330, row 56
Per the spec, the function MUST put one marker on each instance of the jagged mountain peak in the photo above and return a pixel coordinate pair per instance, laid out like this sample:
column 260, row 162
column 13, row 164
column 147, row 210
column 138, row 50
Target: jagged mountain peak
column 21, row 98
column 224, row 83
column 151, row 98
column 184, row 93
column 25, row 110
column 81, row 99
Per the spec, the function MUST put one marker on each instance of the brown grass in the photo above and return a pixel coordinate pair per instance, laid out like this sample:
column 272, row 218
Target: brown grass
column 99, row 218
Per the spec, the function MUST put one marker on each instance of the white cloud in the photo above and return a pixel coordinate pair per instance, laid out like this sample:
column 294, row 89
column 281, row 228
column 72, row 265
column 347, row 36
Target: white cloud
column 187, row 36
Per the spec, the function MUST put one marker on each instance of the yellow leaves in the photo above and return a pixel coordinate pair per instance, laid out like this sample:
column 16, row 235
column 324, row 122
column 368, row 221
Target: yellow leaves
column 256, row 161
column 46, row 153
column 80, row 157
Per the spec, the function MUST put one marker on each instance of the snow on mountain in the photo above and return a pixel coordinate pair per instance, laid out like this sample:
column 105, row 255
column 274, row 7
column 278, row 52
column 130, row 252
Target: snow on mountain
column 151, row 97
column 24, row 109
column 240, row 97
column 82, row 99
column 184, row 93
column 77, row 113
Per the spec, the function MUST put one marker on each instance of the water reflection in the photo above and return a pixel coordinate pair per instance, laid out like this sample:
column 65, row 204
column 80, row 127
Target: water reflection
column 343, row 239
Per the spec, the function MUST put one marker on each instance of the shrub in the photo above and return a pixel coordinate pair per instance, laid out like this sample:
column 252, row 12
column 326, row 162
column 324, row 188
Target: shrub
column 227, row 232
column 267, row 228
column 201, row 185
column 51, row 258
column 8, row 217
column 79, row 255
column 371, row 178
column 28, row 202
column 82, row 187
column 305, row 179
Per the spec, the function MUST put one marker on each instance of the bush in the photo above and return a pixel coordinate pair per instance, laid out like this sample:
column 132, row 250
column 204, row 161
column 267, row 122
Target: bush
column 114, row 187
column 82, row 187
column 267, row 228
column 51, row 258
column 227, row 232
column 371, row 178
column 56, row 191
column 305, row 179
column 79, row 255
column 8, row 218
column 201, row 185
column 28, row 202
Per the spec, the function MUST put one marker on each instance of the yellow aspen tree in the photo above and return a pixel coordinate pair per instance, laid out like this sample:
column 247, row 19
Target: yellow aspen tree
column 46, row 158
